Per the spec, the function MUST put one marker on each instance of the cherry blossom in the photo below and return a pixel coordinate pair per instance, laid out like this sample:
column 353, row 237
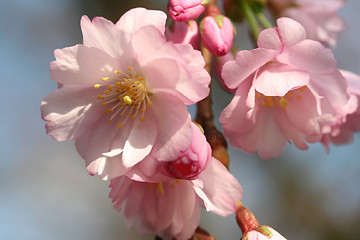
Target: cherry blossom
column 184, row 32
column 185, row 10
column 171, row 208
column 124, row 92
column 288, row 89
column 257, row 235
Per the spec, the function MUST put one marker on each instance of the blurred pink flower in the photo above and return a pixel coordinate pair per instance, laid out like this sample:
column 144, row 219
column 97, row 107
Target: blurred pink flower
column 184, row 32
column 124, row 92
column 185, row 10
column 217, row 34
column 349, row 117
column 256, row 235
column 288, row 89
column 172, row 208
column 319, row 18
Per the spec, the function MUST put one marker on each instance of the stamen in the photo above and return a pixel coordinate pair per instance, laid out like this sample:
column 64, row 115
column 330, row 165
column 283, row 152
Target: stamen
column 104, row 79
column 130, row 68
column 97, row 85
column 116, row 72
column 160, row 188
column 127, row 100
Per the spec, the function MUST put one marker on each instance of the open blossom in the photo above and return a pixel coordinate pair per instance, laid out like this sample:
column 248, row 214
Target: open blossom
column 288, row 89
column 256, row 235
column 124, row 92
column 184, row 32
column 217, row 34
column 171, row 208
column 319, row 18
column 185, row 10
column 349, row 119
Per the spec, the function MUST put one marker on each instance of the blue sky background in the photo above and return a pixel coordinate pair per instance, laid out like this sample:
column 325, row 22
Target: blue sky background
column 46, row 192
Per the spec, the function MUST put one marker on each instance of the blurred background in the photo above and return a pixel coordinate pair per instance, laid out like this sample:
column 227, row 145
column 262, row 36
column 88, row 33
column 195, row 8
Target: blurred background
column 46, row 193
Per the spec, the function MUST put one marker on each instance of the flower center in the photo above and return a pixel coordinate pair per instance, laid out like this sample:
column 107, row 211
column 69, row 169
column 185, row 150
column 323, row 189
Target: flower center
column 125, row 97
column 282, row 101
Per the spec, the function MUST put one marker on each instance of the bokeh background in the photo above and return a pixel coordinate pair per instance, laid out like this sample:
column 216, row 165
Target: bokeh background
column 46, row 193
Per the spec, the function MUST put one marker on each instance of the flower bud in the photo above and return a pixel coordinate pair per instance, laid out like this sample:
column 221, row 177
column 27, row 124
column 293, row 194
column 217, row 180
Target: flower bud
column 217, row 33
column 181, row 32
column 185, row 10
column 191, row 162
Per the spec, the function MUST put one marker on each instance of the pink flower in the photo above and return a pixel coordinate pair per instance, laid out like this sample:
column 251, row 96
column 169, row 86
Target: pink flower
column 288, row 89
column 218, row 66
column 172, row 208
column 181, row 32
column 349, row 114
column 217, row 34
column 319, row 18
column 185, row 10
column 256, row 235
column 124, row 92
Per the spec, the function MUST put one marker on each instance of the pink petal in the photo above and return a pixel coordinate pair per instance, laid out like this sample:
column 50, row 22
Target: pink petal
column 82, row 65
column 136, row 18
column 353, row 81
column 221, row 190
column 149, row 44
column 70, row 116
column 174, row 126
column 247, row 62
column 276, row 79
column 310, row 56
column 140, row 141
column 270, row 39
column 112, row 168
column 332, row 86
column 103, row 34
column 290, row 31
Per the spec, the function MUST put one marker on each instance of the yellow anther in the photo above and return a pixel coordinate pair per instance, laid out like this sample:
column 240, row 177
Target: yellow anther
column 119, row 125
column 149, row 104
column 283, row 102
column 106, row 92
column 132, row 116
column 118, row 84
column 116, row 72
column 302, row 89
column 143, row 109
column 269, row 98
column 127, row 100
column 97, row 85
column 178, row 181
column 99, row 96
column 270, row 104
column 288, row 95
column 125, row 79
column 142, row 118
column 110, row 87
column 130, row 68
column 109, row 121
column 259, row 95
column 160, row 188
column 172, row 185
column 299, row 97
column 103, row 104
column 105, row 78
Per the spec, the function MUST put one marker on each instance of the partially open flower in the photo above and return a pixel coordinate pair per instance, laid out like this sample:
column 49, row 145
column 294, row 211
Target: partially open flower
column 193, row 160
column 217, row 34
column 185, row 10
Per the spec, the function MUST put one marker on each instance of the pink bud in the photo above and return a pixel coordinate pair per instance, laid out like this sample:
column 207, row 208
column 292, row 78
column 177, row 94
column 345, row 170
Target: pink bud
column 185, row 10
column 217, row 33
column 218, row 66
column 191, row 162
column 181, row 32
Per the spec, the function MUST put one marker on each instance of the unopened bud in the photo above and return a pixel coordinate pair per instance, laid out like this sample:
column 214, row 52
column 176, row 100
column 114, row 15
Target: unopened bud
column 185, row 10
column 217, row 33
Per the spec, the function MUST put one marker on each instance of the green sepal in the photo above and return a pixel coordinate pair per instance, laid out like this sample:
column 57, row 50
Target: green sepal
column 219, row 19
column 205, row 2
column 264, row 230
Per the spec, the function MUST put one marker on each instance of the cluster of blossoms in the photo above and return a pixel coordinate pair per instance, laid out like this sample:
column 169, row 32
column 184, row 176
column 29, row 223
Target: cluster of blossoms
column 123, row 97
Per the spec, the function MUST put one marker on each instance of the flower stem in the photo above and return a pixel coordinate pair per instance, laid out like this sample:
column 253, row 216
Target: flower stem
column 250, row 18
column 263, row 20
